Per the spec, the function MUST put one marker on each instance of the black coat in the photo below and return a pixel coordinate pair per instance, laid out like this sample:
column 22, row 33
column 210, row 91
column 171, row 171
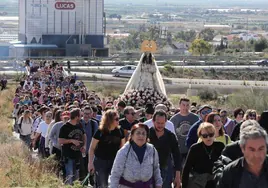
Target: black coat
column 232, row 174
column 232, row 151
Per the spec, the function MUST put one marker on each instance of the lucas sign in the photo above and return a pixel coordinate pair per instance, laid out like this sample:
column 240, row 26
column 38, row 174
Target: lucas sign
column 64, row 5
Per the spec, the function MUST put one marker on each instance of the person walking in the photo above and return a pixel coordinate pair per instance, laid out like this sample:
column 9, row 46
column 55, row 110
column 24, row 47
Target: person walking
column 25, row 122
column 201, row 158
column 250, row 170
column 183, row 121
column 73, row 141
column 133, row 166
column 106, row 142
column 167, row 147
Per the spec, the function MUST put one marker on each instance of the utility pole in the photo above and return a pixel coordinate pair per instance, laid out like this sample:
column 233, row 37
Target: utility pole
column 247, row 36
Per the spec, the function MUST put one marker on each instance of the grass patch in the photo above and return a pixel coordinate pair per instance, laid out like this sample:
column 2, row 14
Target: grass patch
column 248, row 99
column 17, row 167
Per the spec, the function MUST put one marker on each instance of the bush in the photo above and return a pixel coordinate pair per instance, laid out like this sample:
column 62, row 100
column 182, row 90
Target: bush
column 208, row 94
column 169, row 68
column 249, row 99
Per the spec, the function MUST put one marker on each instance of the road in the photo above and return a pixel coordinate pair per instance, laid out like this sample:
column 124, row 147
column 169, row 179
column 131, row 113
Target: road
column 179, row 81
column 227, row 67
column 174, row 81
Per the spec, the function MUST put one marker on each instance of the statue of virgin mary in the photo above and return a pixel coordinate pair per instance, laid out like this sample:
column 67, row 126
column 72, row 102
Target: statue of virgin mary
column 146, row 84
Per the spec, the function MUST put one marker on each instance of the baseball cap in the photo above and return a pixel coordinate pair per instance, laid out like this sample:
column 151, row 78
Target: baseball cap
column 204, row 106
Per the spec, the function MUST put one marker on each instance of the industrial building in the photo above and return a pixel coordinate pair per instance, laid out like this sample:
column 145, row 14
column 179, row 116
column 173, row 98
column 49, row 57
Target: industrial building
column 61, row 28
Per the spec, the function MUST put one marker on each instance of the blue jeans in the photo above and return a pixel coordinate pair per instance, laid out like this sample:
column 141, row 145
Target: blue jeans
column 72, row 172
column 102, row 171
column 167, row 174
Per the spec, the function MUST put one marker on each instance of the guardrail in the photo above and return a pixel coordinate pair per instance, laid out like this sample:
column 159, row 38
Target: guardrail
column 245, row 83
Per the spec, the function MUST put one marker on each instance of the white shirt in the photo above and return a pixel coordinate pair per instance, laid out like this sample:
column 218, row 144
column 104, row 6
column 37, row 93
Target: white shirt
column 26, row 126
column 169, row 125
column 42, row 128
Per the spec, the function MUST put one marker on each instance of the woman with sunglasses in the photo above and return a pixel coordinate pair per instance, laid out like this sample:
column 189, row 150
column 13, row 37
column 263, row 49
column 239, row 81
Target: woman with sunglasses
column 201, row 158
column 137, row 163
column 249, row 115
column 107, row 140
column 215, row 119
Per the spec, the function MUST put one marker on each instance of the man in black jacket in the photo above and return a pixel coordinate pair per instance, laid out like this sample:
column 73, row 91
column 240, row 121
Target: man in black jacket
column 166, row 144
column 251, row 170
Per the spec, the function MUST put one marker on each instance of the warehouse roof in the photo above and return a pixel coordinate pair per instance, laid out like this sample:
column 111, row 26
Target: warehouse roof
column 43, row 46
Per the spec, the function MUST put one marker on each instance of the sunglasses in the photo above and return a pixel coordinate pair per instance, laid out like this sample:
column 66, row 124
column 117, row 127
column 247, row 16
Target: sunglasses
column 133, row 113
column 207, row 135
column 116, row 119
column 252, row 115
column 205, row 112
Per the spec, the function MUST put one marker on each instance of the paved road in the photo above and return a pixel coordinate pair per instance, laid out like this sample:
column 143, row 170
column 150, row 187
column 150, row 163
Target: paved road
column 179, row 81
column 255, row 67
column 176, row 81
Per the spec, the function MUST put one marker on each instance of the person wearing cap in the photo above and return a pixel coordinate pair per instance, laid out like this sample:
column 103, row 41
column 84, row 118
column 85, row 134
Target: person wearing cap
column 182, row 123
column 169, row 125
column 192, row 134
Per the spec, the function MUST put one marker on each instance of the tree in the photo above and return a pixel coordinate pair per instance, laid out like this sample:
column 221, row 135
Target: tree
column 260, row 45
column 187, row 36
column 207, row 34
column 200, row 47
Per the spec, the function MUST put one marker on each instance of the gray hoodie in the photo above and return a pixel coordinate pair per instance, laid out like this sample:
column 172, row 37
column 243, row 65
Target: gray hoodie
column 133, row 171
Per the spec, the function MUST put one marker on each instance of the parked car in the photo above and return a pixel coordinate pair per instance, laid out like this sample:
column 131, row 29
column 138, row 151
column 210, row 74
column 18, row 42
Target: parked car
column 263, row 62
column 125, row 71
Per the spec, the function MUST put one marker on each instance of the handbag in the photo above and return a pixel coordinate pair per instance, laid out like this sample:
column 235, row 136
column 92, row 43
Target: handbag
column 199, row 180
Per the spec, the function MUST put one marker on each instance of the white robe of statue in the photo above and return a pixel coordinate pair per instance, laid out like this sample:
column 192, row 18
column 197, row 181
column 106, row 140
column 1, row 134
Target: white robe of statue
column 146, row 75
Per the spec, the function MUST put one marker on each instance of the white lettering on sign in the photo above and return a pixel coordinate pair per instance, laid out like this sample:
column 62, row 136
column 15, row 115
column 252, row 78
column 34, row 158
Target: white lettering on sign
column 65, row 5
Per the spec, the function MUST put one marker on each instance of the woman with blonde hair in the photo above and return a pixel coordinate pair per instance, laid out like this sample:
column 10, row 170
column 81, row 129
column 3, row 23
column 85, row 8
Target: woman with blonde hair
column 201, row 158
column 107, row 140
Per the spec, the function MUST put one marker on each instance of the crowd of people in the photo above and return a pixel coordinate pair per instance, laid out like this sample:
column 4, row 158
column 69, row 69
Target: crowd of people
column 104, row 142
